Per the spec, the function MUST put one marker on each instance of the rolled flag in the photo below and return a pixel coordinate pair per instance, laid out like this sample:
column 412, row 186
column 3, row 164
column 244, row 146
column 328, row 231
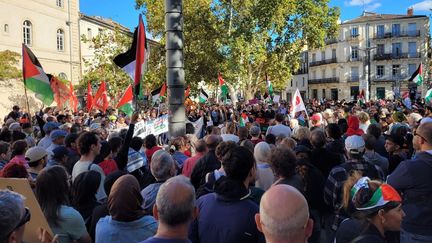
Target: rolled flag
column 269, row 87
column 417, row 77
column 158, row 93
column 35, row 79
column 296, row 104
column 133, row 60
column 89, row 97
column 203, row 97
column 125, row 103
column 73, row 100
column 428, row 97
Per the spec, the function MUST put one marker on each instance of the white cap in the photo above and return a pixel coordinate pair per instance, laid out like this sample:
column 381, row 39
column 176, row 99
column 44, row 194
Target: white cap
column 354, row 144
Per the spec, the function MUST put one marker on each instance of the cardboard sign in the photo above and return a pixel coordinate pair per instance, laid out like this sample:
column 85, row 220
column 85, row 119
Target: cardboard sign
column 276, row 98
column 38, row 219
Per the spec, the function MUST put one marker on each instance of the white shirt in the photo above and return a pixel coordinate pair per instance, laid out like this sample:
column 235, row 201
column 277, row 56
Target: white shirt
column 83, row 166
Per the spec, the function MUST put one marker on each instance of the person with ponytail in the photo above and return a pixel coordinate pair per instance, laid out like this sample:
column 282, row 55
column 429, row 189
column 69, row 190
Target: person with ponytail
column 375, row 210
column 227, row 215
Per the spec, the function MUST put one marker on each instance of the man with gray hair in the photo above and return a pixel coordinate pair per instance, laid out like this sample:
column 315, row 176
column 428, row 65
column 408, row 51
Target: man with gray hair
column 13, row 216
column 284, row 222
column 174, row 210
column 162, row 168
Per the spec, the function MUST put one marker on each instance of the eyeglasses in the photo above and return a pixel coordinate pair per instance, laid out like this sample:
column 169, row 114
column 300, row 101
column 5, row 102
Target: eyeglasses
column 26, row 218
column 416, row 134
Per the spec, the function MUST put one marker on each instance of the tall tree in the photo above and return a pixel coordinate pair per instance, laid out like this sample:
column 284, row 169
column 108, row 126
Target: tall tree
column 246, row 39
column 9, row 65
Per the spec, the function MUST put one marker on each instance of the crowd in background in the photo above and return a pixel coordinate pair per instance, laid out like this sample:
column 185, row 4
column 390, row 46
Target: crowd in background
column 336, row 172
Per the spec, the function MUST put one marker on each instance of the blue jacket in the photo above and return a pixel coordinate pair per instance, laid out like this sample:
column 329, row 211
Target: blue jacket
column 223, row 220
column 413, row 178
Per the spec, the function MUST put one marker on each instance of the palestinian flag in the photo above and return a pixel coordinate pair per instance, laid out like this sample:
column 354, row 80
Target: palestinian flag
column 428, row 97
column 133, row 60
column 223, row 87
column 243, row 119
column 417, row 77
column 157, row 94
column 203, row 97
column 269, row 87
column 125, row 103
column 35, row 78
column 89, row 97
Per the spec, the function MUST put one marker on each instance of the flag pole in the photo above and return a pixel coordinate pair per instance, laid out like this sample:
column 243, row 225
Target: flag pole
column 25, row 88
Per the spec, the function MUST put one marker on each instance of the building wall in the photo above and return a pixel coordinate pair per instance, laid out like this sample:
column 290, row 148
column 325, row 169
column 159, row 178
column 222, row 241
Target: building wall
column 46, row 18
column 338, row 75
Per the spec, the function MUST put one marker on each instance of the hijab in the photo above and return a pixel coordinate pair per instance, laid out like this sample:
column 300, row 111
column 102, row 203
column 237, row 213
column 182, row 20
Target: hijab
column 124, row 201
column 353, row 126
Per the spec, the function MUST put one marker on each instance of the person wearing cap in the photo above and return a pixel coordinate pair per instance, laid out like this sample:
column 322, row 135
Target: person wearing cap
column 57, row 138
column 378, row 207
column 46, row 141
column 60, row 156
column 413, row 179
column 37, row 160
column 333, row 191
column 393, row 145
column 316, row 120
column 14, row 216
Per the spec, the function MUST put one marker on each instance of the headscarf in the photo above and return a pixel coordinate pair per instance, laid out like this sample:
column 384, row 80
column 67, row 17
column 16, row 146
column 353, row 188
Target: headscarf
column 353, row 126
column 124, row 201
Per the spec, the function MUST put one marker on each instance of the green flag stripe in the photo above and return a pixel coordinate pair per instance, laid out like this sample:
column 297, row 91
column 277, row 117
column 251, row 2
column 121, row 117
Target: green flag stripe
column 42, row 88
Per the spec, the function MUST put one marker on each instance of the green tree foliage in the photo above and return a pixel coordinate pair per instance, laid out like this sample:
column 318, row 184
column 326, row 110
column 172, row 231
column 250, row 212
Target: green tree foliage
column 106, row 45
column 8, row 65
column 246, row 39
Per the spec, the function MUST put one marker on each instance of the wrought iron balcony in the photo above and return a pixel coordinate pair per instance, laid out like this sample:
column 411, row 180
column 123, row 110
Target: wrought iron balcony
column 353, row 79
column 330, row 41
column 408, row 33
column 323, row 80
column 391, row 56
column 323, row 62
column 358, row 59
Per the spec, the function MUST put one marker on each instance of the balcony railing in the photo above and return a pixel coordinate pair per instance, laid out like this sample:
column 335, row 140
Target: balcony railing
column 358, row 59
column 323, row 62
column 409, row 33
column 353, row 37
column 331, row 41
column 323, row 80
column 353, row 79
column 301, row 71
column 391, row 56
column 390, row 78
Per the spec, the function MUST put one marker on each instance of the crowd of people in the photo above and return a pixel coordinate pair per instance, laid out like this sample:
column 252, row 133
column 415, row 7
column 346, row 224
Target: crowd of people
column 335, row 172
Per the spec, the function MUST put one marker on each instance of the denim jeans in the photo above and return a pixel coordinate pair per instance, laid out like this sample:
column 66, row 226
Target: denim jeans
column 406, row 237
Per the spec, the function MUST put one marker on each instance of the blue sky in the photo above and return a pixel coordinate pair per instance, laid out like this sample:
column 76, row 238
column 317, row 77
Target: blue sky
column 123, row 11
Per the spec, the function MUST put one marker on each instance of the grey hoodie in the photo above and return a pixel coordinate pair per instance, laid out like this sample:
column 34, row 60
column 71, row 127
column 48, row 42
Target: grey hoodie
column 376, row 159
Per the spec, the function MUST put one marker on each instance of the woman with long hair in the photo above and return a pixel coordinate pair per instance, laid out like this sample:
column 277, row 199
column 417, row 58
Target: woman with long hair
column 84, row 189
column 375, row 209
column 52, row 189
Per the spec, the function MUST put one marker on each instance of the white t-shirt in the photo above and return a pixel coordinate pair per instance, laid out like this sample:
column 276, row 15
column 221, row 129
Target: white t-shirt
column 83, row 166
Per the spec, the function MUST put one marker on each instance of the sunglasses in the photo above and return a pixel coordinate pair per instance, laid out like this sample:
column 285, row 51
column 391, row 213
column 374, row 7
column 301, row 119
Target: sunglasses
column 26, row 218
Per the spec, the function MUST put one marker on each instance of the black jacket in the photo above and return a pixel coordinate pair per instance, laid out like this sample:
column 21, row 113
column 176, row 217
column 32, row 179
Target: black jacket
column 206, row 164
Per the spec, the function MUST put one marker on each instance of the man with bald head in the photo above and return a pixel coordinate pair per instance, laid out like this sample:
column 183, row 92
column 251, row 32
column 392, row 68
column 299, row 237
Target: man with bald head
column 413, row 179
column 208, row 163
column 284, row 222
column 174, row 210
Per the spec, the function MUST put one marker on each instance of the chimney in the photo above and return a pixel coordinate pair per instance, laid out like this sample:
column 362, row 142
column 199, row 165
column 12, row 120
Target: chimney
column 410, row 11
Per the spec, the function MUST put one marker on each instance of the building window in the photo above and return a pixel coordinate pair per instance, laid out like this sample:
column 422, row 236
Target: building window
column 323, row 93
column 313, row 57
column 27, row 33
column 323, row 55
column 334, row 72
column 380, row 31
column 396, row 30
column 355, row 74
column 412, row 67
column 6, row 28
column 397, row 49
column 59, row 3
column 412, row 49
column 303, row 84
column 396, row 70
column 412, row 29
column 323, row 73
column 380, row 49
column 380, row 71
column 60, row 40
column 292, row 82
column 354, row 52
column 354, row 32
column 89, row 33
column 314, row 74
column 334, row 53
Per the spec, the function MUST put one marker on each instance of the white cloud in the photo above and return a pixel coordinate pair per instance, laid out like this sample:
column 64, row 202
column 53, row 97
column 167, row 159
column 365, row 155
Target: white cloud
column 358, row 2
column 372, row 7
column 423, row 6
